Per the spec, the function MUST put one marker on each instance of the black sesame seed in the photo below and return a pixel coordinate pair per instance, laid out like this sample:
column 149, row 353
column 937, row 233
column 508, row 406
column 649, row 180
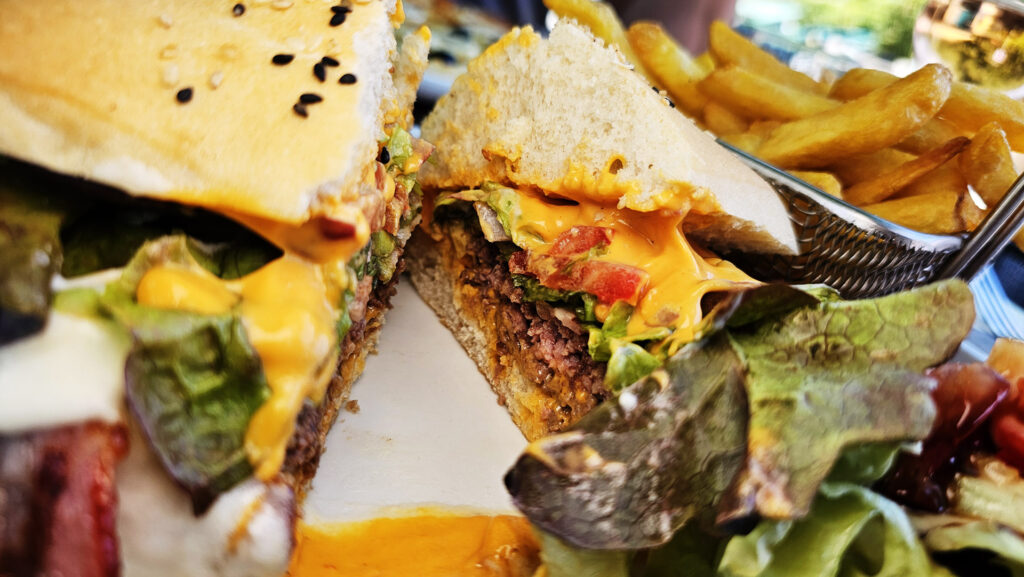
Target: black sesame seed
column 384, row 157
column 300, row 109
column 340, row 9
column 319, row 71
column 184, row 95
column 328, row 61
column 238, row 10
column 338, row 18
column 282, row 59
column 310, row 98
column 347, row 78
column 460, row 32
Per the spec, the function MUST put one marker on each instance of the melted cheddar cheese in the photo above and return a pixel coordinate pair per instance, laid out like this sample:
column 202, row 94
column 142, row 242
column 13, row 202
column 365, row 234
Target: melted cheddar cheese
column 653, row 242
column 429, row 544
column 286, row 308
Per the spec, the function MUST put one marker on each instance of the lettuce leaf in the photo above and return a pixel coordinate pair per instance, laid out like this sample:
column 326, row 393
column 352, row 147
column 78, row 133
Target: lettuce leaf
column 193, row 381
column 955, row 534
column 682, row 445
column 563, row 560
column 849, row 531
column 30, row 254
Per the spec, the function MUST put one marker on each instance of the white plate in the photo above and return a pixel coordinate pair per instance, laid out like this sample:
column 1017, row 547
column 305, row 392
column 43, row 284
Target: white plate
column 429, row 431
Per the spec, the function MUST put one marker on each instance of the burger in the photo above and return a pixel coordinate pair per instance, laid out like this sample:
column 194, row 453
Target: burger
column 569, row 222
column 203, row 208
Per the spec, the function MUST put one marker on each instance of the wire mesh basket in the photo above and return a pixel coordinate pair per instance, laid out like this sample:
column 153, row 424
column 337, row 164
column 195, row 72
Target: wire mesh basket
column 862, row 255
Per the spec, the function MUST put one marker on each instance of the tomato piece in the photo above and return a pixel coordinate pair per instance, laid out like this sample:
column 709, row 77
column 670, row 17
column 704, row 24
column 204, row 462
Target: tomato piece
column 578, row 240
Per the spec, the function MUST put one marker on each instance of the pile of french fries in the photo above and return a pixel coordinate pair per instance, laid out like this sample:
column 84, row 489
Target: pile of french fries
column 923, row 151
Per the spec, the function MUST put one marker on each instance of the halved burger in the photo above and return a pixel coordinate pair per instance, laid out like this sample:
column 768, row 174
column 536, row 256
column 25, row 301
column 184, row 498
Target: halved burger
column 203, row 207
column 571, row 214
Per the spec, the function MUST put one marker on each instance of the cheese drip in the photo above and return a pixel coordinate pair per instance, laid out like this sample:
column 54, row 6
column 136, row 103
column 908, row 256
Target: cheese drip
column 433, row 544
column 289, row 319
column 680, row 275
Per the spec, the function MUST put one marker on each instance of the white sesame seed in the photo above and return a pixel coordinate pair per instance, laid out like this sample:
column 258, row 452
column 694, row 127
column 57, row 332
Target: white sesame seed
column 170, row 76
column 169, row 52
column 229, row 51
column 166, row 21
column 282, row 4
column 216, row 79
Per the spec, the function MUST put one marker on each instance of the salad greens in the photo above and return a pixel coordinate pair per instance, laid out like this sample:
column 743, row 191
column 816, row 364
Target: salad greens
column 193, row 381
column 771, row 402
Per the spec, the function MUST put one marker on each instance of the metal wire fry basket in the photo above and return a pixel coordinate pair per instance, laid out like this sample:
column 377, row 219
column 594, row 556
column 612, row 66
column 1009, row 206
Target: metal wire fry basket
column 862, row 255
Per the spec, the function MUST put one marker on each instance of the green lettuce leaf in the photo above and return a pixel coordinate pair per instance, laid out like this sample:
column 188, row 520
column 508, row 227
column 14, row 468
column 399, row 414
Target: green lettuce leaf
column 682, row 444
column 503, row 200
column 193, row 381
column 850, row 531
column 563, row 560
column 955, row 534
column 625, row 476
column 822, row 379
column 30, row 254
column 399, row 147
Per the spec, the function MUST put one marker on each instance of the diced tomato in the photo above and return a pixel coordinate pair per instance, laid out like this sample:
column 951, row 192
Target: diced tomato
column 611, row 282
column 578, row 240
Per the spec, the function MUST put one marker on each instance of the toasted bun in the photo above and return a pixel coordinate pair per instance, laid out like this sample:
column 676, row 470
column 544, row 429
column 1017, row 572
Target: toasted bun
column 89, row 88
column 569, row 116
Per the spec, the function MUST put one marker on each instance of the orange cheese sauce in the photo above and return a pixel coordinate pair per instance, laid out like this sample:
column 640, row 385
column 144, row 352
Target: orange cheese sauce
column 286, row 307
column 430, row 544
column 653, row 242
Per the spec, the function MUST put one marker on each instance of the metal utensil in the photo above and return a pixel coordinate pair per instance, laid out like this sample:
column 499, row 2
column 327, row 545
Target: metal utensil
column 862, row 255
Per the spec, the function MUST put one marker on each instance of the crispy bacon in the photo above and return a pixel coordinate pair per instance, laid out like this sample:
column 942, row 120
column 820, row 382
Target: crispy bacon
column 567, row 266
column 58, row 501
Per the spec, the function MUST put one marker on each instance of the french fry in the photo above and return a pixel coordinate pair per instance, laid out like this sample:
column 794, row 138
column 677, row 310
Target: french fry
column 764, row 128
column 970, row 212
column 670, row 65
column 876, row 120
column 722, row 121
column 933, row 134
column 946, row 178
column 705, row 62
column 748, row 142
column 969, row 107
column 756, row 96
column 934, row 213
column 824, row 181
column 858, row 82
column 987, row 164
column 728, row 47
column 863, row 167
column 888, row 183
column 602, row 21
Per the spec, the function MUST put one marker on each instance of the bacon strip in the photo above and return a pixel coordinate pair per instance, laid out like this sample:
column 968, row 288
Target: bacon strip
column 58, row 501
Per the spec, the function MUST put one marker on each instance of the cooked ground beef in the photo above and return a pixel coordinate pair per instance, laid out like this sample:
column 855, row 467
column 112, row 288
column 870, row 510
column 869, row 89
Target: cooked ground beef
column 543, row 345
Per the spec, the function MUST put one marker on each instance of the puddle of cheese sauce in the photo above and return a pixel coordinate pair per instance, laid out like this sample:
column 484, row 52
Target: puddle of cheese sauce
column 426, row 544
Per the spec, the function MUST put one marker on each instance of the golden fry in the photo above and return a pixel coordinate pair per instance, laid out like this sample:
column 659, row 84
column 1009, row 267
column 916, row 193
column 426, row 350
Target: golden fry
column 858, row 82
column 670, row 64
column 720, row 120
column 987, row 164
column 888, row 183
column 969, row 107
column 705, row 62
column 757, row 96
column 748, row 142
column 934, row 213
column 946, row 178
column 933, row 134
column 867, row 166
column 729, row 47
column 824, row 181
column 876, row 120
column 602, row 21
column 969, row 212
